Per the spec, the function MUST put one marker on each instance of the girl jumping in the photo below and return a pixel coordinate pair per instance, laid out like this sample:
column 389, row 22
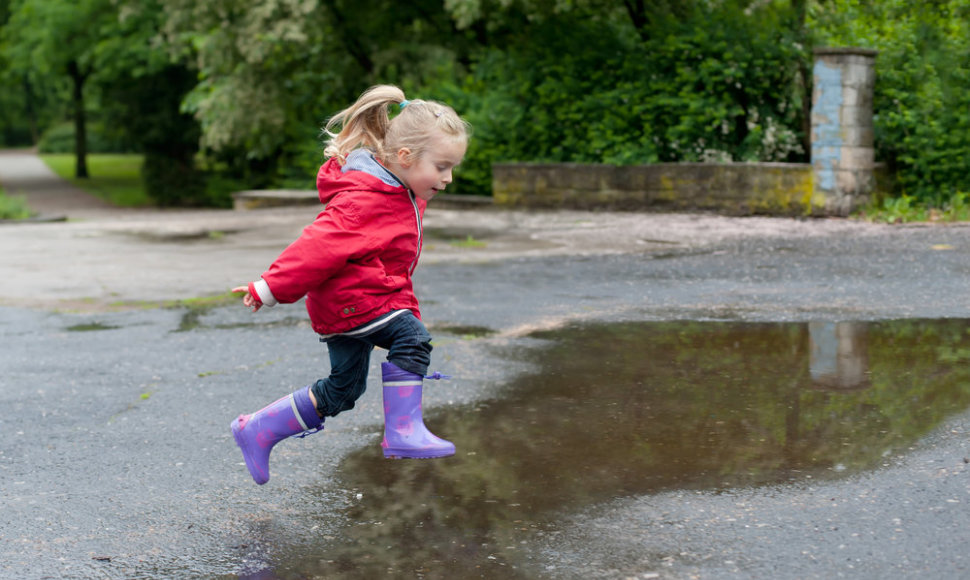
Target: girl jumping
column 354, row 265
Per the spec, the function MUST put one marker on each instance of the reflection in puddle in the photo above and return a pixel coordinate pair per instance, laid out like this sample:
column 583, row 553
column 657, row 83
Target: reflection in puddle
column 628, row 409
column 839, row 358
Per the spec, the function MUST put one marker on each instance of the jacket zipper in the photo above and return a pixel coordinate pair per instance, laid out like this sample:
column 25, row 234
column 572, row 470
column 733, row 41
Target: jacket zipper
column 417, row 219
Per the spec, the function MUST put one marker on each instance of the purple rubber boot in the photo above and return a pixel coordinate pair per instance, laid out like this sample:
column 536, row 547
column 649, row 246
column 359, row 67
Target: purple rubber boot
column 257, row 433
column 405, row 435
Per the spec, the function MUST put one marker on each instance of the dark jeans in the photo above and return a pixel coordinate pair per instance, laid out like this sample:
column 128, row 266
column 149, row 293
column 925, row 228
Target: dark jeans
column 409, row 347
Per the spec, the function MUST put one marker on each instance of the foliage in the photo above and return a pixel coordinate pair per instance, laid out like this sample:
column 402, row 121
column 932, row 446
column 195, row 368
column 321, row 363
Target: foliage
column 29, row 98
column 173, row 181
column 107, row 45
column 690, row 92
column 59, row 37
column 26, row 106
column 149, row 106
column 301, row 159
column 219, row 187
column 895, row 210
column 906, row 208
column 922, row 95
column 268, row 71
column 469, row 242
column 60, row 139
column 242, row 51
column 13, row 207
column 47, row 35
column 249, row 84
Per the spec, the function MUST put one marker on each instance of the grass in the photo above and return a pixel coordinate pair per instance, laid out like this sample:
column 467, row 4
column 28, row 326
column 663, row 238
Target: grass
column 906, row 209
column 468, row 242
column 115, row 178
column 201, row 303
column 13, row 207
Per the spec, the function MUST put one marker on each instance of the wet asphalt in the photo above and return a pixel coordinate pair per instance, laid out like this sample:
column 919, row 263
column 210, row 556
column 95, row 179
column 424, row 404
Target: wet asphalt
column 116, row 460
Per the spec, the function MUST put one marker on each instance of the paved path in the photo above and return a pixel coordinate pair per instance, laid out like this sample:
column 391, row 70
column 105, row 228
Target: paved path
column 23, row 173
column 103, row 255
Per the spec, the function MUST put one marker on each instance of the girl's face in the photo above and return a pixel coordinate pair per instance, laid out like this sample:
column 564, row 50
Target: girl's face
column 431, row 173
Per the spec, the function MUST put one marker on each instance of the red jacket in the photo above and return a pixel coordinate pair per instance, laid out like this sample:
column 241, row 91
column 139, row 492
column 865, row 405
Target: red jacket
column 354, row 262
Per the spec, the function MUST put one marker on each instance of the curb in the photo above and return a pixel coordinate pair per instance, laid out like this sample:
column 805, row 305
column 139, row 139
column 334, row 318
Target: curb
column 39, row 219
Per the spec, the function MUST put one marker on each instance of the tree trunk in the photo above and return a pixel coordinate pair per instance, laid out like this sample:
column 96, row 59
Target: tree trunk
column 637, row 12
column 80, row 124
column 805, row 76
column 30, row 111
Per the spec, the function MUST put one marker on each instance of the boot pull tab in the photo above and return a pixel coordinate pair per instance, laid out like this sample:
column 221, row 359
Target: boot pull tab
column 435, row 376
column 307, row 433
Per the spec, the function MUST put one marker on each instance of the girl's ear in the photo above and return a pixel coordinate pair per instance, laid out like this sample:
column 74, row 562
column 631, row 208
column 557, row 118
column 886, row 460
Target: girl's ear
column 404, row 157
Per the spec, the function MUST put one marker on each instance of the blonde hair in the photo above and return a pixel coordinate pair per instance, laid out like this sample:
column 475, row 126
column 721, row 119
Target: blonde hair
column 367, row 123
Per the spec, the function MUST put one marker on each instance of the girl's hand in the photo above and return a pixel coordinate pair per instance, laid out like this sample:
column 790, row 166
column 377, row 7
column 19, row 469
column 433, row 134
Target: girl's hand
column 248, row 300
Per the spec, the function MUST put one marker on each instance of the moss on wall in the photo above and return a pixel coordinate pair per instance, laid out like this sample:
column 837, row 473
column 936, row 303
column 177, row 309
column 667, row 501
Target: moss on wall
column 730, row 188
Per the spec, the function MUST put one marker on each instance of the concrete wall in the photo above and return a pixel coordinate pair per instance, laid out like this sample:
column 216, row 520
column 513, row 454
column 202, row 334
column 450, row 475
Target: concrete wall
column 729, row 188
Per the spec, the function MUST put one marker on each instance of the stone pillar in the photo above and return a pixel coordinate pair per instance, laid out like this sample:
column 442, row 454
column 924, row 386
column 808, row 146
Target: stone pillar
column 843, row 156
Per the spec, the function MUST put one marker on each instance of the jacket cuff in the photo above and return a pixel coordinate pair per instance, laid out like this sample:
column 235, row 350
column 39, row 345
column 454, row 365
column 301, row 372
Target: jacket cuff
column 261, row 292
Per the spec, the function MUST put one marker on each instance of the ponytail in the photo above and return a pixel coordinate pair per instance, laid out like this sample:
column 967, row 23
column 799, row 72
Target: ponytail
column 367, row 123
column 364, row 124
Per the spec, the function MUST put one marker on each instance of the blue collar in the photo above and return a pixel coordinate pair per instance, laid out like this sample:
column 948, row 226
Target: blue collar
column 364, row 160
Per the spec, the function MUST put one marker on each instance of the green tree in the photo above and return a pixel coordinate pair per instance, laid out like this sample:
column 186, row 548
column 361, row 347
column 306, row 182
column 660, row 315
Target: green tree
column 271, row 72
column 109, row 51
column 59, row 37
column 29, row 97
column 143, row 90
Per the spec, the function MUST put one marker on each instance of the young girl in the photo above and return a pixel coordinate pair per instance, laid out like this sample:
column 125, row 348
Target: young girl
column 354, row 265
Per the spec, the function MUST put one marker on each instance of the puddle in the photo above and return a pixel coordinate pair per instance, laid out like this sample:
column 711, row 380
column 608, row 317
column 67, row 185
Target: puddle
column 466, row 332
column 194, row 318
column 629, row 409
column 186, row 235
column 90, row 327
column 458, row 235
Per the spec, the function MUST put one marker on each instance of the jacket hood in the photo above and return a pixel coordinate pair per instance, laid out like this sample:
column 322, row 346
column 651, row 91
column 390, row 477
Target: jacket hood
column 360, row 172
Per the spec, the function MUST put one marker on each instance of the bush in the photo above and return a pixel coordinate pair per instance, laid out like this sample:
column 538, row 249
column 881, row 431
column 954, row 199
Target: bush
column 691, row 92
column 173, row 181
column 219, row 189
column 60, row 139
column 13, row 207
column 299, row 165
column 923, row 120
